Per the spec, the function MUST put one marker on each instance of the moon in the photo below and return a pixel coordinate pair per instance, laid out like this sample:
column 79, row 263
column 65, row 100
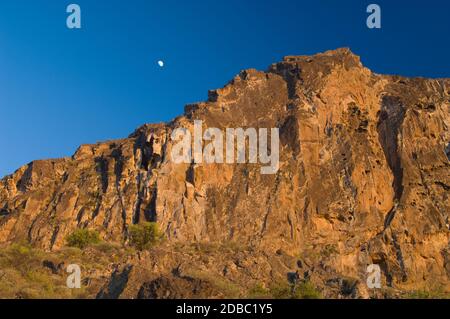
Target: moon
column 160, row 63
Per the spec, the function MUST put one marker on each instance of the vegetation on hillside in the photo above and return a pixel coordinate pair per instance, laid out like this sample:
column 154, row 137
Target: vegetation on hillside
column 82, row 238
column 144, row 236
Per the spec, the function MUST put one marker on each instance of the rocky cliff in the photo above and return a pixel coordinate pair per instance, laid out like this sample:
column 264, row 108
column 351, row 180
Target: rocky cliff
column 363, row 179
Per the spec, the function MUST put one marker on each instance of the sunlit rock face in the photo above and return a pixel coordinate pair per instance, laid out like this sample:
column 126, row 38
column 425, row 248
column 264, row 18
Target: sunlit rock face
column 363, row 179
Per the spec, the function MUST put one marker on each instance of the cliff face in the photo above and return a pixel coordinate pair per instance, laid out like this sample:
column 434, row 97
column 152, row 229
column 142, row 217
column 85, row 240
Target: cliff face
column 363, row 179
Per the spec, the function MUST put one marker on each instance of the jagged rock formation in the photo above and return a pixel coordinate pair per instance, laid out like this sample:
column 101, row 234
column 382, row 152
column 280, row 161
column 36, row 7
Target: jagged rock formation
column 364, row 178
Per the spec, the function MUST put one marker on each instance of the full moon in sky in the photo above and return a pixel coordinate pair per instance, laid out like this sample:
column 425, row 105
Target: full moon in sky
column 160, row 63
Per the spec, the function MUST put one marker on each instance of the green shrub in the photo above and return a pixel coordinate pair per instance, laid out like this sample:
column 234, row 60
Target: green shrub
column 145, row 235
column 21, row 249
column 303, row 290
column 81, row 238
column 258, row 292
column 306, row 290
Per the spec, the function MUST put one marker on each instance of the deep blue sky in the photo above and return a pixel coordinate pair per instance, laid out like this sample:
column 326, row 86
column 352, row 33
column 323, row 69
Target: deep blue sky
column 60, row 88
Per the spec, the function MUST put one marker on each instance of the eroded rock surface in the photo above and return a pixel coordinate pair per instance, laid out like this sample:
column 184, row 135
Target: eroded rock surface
column 364, row 179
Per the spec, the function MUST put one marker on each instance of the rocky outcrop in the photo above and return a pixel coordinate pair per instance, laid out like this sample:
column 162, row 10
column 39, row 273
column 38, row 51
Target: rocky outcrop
column 177, row 288
column 364, row 177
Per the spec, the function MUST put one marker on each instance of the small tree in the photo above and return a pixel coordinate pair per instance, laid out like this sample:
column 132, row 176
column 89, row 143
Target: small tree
column 81, row 238
column 145, row 235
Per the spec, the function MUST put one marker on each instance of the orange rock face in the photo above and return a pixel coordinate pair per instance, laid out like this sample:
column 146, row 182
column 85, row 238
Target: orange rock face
column 364, row 176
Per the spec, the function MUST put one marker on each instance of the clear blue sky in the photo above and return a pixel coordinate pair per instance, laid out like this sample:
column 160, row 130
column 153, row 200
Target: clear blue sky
column 60, row 88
